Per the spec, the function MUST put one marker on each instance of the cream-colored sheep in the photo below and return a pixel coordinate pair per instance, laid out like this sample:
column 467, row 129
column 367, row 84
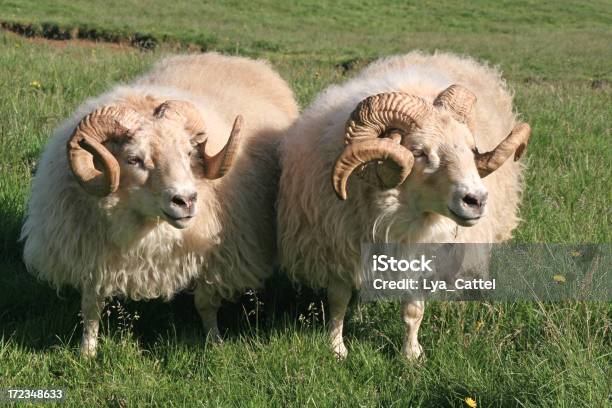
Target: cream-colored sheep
column 160, row 183
column 411, row 128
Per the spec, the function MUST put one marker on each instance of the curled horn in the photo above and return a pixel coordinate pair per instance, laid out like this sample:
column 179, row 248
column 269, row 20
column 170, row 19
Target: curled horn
column 85, row 146
column 218, row 165
column 183, row 111
column 459, row 101
column 515, row 142
column 376, row 116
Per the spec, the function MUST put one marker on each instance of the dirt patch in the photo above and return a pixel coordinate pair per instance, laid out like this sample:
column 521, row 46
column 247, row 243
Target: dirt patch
column 82, row 34
column 76, row 42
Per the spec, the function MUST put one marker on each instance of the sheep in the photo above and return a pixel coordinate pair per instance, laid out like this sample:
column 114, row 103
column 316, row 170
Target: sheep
column 142, row 193
column 411, row 128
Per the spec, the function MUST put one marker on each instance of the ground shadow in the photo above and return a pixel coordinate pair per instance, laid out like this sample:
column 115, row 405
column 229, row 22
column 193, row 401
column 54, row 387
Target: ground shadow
column 36, row 317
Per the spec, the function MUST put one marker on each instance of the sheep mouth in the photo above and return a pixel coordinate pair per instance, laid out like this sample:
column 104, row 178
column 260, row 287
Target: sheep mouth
column 172, row 218
column 468, row 221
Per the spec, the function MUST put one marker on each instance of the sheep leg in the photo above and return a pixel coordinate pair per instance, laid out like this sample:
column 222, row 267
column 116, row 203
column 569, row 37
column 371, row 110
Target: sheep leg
column 207, row 302
column 91, row 311
column 338, row 297
column 412, row 314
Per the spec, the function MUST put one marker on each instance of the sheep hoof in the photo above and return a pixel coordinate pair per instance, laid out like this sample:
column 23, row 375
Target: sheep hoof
column 213, row 336
column 413, row 352
column 340, row 351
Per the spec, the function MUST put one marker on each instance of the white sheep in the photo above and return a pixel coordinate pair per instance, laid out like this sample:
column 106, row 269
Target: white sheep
column 159, row 183
column 412, row 128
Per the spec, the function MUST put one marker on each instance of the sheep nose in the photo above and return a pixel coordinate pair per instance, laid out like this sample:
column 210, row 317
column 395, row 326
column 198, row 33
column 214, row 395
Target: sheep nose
column 476, row 200
column 184, row 201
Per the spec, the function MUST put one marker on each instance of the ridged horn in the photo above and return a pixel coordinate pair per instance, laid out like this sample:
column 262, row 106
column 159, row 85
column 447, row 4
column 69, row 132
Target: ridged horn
column 360, row 153
column 218, row 165
column 186, row 112
column 86, row 145
column 373, row 118
column 459, row 101
column 515, row 143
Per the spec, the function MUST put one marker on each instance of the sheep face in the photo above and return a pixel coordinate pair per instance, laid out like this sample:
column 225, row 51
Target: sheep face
column 157, row 165
column 148, row 163
column 425, row 150
column 444, row 178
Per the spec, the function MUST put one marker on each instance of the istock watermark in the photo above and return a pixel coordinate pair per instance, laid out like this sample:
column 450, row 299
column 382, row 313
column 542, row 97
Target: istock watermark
column 487, row 272
column 433, row 285
column 385, row 263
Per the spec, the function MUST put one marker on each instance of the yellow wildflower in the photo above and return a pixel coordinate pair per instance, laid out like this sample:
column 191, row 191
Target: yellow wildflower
column 470, row 402
column 559, row 278
column 36, row 84
column 575, row 253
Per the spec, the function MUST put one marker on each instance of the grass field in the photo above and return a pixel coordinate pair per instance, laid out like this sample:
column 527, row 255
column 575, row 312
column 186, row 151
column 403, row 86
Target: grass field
column 556, row 57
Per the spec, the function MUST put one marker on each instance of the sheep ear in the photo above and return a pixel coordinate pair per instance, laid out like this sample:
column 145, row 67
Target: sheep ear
column 198, row 138
column 459, row 101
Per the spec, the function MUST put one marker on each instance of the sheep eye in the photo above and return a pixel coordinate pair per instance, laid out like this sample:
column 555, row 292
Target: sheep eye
column 419, row 153
column 134, row 161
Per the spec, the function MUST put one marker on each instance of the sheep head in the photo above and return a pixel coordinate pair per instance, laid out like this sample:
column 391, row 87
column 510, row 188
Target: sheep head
column 150, row 161
column 390, row 135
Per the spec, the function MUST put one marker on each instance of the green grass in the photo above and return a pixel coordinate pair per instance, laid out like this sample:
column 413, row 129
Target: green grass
column 557, row 59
